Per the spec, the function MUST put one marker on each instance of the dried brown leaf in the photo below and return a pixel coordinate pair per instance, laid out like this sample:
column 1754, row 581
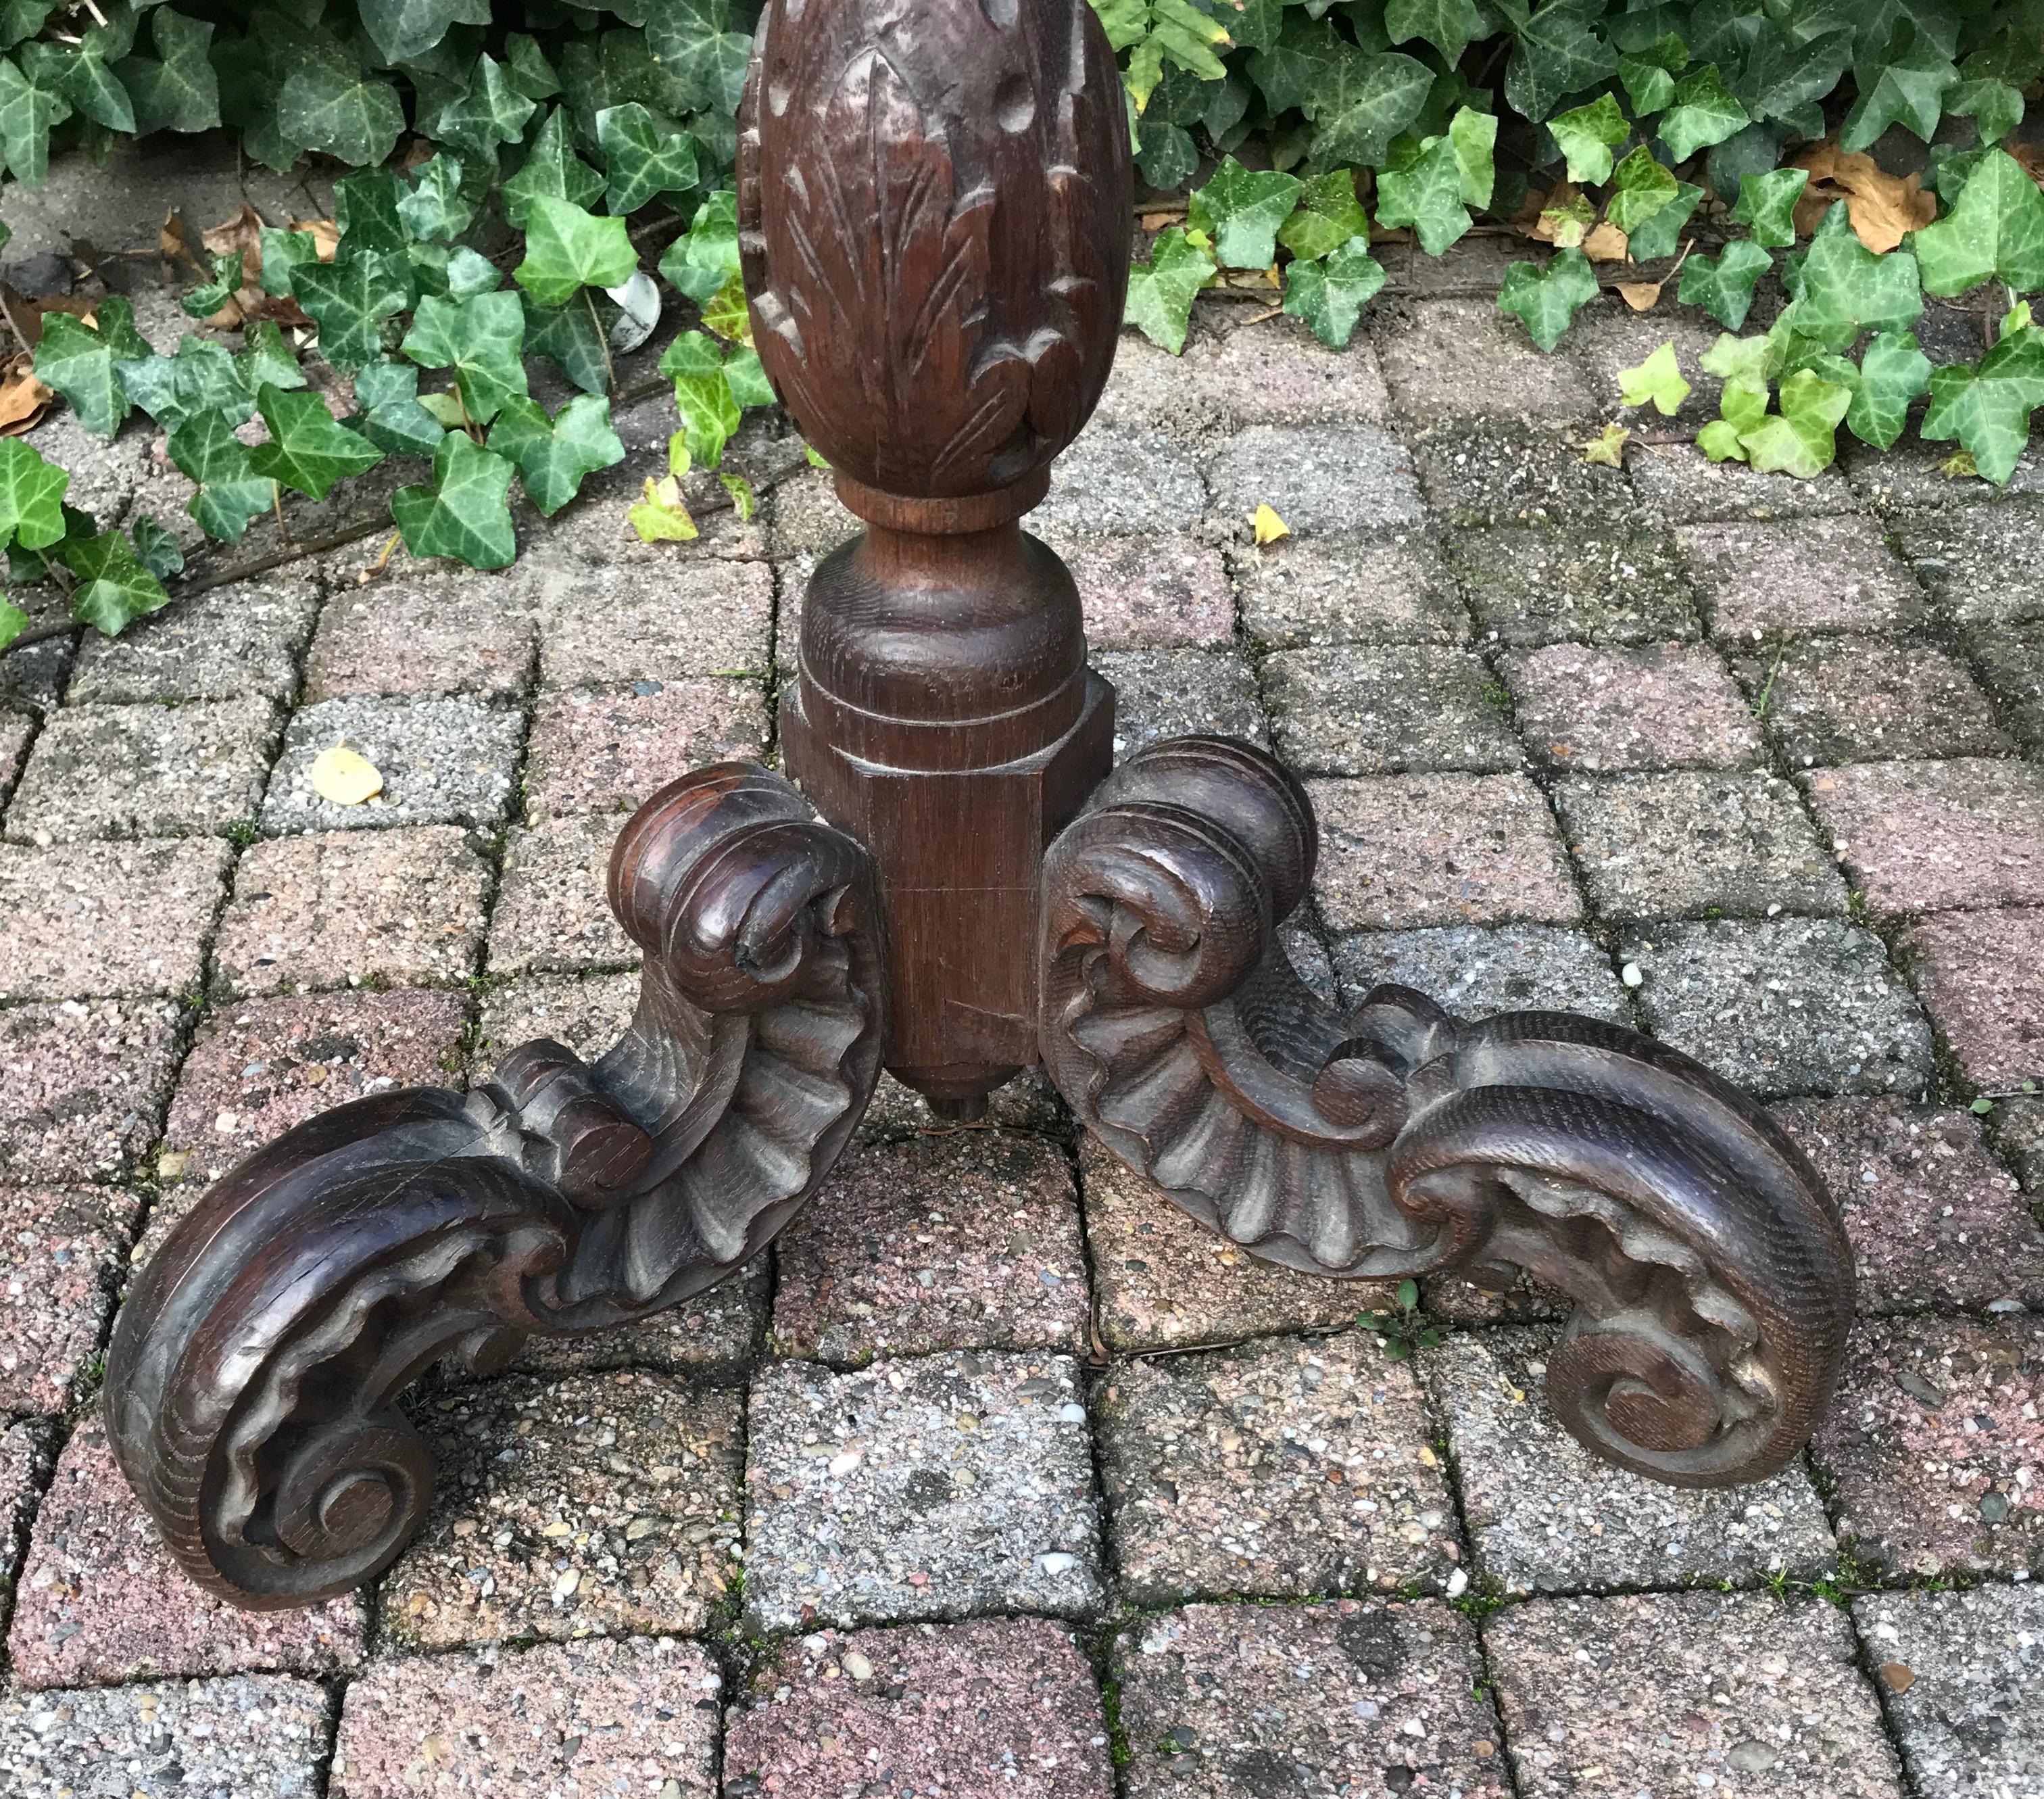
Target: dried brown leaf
column 1642, row 296
column 23, row 398
column 1883, row 208
column 1605, row 244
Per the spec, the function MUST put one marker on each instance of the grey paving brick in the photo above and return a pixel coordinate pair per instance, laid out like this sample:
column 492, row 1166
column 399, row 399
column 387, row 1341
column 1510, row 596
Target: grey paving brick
column 144, row 771
column 1800, row 575
column 1348, row 588
column 1616, row 710
column 1429, row 350
column 1607, row 338
column 610, row 749
column 1171, row 693
column 1981, row 564
column 123, row 918
column 721, row 1328
column 938, row 1487
column 807, row 518
column 586, row 1012
column 1863, row 699
column 32, row 678
column 1348, row 710
column 443, row 762
column 652, row 623
column 424, row 640
column 1914, row 475
column 1678, row 482
column 1317, row 478
column 17, row 728
column 1473, row 972
column 1121, row 482
column 1545, row 1515
column 1517, row 477
column 26, row 1458
column 1785, row 1006
column 1530, row 585
column 2010, row 661
column 229, row 643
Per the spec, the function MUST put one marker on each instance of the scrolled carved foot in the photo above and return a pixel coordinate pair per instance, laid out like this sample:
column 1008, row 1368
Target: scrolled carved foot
column 251, row 1383
column 1712, row 1281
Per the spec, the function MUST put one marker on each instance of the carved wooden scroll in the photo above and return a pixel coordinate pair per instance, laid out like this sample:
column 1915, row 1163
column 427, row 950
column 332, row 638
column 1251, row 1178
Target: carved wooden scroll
column 1712, row 1277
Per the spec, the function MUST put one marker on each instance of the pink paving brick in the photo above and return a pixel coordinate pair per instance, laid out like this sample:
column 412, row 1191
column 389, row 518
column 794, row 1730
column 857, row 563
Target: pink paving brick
column 58, row 1249
column 1005, row 1706
column 610, row 750
column 1608, row 710
column 101, row 1601
column 1151, row 592
column 474, row 634
column 1981, row 974
column 1927, row 836
column 86, row 919
column 968, row 1241
column 82, row 1087
column 663, row 623
column 262, row 1066
column 552, row 914
column 24, row 1467
column 1935, row 1443
column 573, row 1720
column 1799, row 575
column 1438, row 849
column 1934, row 1219
column 334, row 908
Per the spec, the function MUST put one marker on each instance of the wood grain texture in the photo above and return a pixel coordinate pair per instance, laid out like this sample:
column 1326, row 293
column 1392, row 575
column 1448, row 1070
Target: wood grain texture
column 1712, row 1277
column 253, row 1376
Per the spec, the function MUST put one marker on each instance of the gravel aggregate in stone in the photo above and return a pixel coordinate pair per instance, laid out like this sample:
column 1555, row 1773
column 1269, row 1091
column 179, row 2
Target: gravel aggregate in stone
column 1981, row 974
column 1473, row 972
column 82, row 1087
column 611, row 749
column 1678, row 482
column 655, row 623
column 938, row 1487
column 1981, row 564
column 1342, row 587
column 239, row 1738
column 1318, row 478
column 1161, row 1280
column 58, row 1247
column 1784, row 1006
column 443, row 762
column 15, row 729
column 1934, row 1219
column 1348, row 1700
column 1957, row 1674
column 101, row 1600
column 563, row 1721
column 1119, row 483
column 1697, row 841
column 144, row 771
column 1934, row 1446
column 1865, row 699
column 968, row 1241
column 1278, row 373
column 1152, row 593
column 1427, row 350
column 1609, row 711
column 604, row 1502
column 225, row 643
column 1922, row 836
column 25, row 1461
column 1405, row 850
column 422, row 640
column 1800, row 575
column 2010, row 661
column 1174, row 692
column 1678, row 1693
column 108, row 918
column 587, row 1013
column 1531, row 585
column 1282, row 1469
column 1413, row 709
column 2017, row 1126
column 552, row 914
column 1501, row 477
column 999, row 1705
column 1545, row 1515
column 339, row 908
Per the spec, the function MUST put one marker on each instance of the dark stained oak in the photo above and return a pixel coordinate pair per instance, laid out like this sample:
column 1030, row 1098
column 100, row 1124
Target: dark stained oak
column 934, row 214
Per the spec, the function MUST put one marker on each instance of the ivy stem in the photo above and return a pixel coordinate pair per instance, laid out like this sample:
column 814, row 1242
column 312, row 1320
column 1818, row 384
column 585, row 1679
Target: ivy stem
column 603, row 338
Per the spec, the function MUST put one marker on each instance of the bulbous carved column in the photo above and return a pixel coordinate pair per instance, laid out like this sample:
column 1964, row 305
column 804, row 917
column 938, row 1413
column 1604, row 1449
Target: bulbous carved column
column 935, row 214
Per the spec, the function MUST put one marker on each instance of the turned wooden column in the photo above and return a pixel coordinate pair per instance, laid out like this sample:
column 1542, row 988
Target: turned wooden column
column 935, row 212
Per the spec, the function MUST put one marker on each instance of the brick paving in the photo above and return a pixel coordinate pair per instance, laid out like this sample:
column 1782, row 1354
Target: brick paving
column 1000, row 1474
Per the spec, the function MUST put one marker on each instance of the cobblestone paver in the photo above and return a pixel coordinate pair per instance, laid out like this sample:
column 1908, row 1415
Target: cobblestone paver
column 1754, row 764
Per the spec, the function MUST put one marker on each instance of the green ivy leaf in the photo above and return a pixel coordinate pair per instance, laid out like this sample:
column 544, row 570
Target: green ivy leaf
column 114, row 588
column 308, row 449
column 1640, row 188
column 1787, row 75
column 176, row 90
column 1367, row 101
column 550, row 170
column 705, row 257
column 1995, row 229
column 1295, row 71
column 1588, row 135
column 1242, row 212
column 573, row 338
column 1474, row 135
column 405, row 30
column 31, row 497
column 159, row 551
column 640, row 160
column 82, row 76
column 202, row 377
column 80, row 362
column 1657, row 382
column 1546, row 300
column 209, row 297
column 1722, row 285
column 746, row 379
column 1330, row 295
column 553, row 455
column 230, row 492
column 1557, row 50
column 1705, row 112
column 330, row 104
column 29, row 107
column 1160, row 290
column 567, row 249
column 466, row 512
column 709, row 410
column 14, row 621
column 1995, row 106
column 469, row 273
column 527, row 69
column 1659, row 235
column 488, row 112
column 1328, row 215
column 1908, row 91
column 266, row 357
column 1421, row 187
column 1767, row 205
column 1450, row 25
column 386, row 395
column 482, row 339
column 365, row 210
column 703, row 45
column 1648, row 73
column 1987, row 407
column 1801, row 439
column 284, row 253
column 349, row 301
column 1841, row 288
column 1893, row 372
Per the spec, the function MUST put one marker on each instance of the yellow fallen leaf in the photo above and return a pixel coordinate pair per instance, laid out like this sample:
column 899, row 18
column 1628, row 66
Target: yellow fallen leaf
column 661, row 517
column 1642, row 296
column 1607, row 447
column 344, row 777
column 1269, row 527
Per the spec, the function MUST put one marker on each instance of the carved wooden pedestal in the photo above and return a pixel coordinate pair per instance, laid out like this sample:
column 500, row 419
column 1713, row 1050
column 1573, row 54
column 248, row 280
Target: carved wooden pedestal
column 934, row 210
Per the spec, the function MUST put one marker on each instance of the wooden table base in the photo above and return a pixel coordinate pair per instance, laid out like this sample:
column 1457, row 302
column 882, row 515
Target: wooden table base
column 935, row 215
